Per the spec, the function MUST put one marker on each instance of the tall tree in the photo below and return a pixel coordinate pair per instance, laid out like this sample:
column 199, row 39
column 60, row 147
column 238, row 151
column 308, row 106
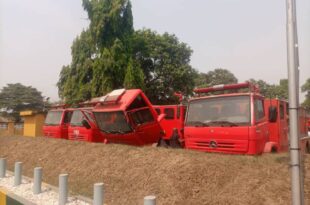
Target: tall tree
column 100, row 53
column 165, row 64
column 305, row 88
column 15, row 98
column 110, row 55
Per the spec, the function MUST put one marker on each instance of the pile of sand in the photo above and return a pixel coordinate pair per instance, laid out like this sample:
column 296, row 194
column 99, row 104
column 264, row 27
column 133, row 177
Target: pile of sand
column 174, row 176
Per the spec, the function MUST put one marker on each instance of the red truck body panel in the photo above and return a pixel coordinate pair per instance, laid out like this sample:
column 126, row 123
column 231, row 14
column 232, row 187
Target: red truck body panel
column 174, row 118
column 127, row 117
column 57, row 123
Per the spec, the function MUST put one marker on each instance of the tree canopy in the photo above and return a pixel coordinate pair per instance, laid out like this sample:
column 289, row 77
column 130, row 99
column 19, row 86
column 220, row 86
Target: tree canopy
column 273, row 90
column 15, row 98
column 215, row 77
column 110, row 55
column 165, row 64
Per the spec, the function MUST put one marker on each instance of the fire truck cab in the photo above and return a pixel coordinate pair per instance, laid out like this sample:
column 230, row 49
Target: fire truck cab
column 57, row 122
column 233, row 122
column 127, row 117
column 81, row 131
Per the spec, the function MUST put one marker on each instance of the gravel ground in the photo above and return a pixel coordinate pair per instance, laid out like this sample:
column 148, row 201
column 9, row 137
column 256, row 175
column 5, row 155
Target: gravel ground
column 47, row 197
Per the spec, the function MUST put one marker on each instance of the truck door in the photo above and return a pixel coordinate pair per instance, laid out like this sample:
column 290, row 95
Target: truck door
column 146, row 126
column 261, row 125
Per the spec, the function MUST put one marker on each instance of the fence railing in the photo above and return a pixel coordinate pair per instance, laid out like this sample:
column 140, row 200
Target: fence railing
column 98, row 188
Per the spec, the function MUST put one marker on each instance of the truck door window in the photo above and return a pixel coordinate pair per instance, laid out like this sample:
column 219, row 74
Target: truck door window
column 169, row 113
column 142, row 116
column 259, row 110
column 139, row 102
column 76, row 119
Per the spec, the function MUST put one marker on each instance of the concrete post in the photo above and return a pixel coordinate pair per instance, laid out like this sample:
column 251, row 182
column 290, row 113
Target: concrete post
column 18, row 173
column 150, row 200
column 98, row 194
column 37, row 180
column 63, row 189
column 2, row 167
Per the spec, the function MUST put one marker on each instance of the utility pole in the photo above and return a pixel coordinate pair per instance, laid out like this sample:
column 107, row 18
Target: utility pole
column 293, row 86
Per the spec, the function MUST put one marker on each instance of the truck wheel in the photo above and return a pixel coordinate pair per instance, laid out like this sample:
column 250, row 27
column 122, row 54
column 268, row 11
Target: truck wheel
column 175, row 143
column 274, row 150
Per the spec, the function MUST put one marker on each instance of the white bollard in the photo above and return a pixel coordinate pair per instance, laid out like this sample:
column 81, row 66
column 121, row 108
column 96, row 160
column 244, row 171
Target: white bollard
column 150, row 200
column 37, row 180
column 98, row 197
column 63, row 189
column 2, row 167
column 18, row 173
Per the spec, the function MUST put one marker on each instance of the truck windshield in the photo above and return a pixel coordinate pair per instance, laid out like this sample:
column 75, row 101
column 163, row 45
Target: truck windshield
column 112, row 122
column 219, row 111
column 53, row 118
column 76, row 119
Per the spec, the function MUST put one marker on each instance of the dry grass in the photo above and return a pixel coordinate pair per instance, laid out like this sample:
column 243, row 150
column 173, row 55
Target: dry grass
column 174, row 176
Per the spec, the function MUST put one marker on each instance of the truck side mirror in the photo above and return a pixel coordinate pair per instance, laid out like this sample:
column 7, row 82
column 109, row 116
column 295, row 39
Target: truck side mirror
column 160, row 117
column 273, row 113
column 86, row 124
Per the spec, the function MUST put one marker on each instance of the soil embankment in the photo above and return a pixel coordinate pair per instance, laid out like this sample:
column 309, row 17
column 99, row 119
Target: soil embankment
column 174, row 176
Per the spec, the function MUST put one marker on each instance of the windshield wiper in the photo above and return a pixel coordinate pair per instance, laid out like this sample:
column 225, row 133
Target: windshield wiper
column 198, row 124
column 232, row 124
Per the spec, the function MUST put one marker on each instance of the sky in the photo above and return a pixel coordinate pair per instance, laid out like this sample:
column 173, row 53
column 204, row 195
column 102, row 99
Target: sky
column 247, row 37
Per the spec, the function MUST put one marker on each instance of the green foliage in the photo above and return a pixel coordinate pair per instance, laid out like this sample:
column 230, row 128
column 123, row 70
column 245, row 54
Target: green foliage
column 110, row 55
column 165, row 64
column 134, row 77
column 216, row 77
column 15, row 98
column 305, row 88
column 99, row 54
column 272, row 90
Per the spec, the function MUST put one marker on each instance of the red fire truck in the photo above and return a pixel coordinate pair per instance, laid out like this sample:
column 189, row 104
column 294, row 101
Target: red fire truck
column 81, row 131
column 172, row 124
column 57, row 122
column 232, row 121
column 127, row 117
column 238, row 120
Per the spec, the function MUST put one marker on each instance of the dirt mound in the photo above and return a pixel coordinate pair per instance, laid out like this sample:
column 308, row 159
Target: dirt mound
column 174, row 176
